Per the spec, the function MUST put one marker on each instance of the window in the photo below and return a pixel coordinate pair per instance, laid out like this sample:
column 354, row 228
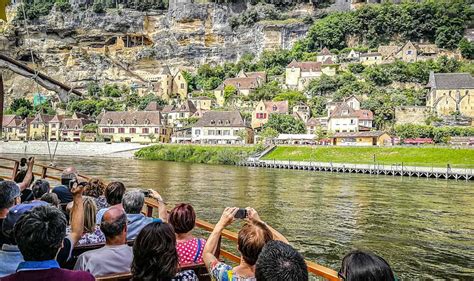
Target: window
column 226, row 132
column 64, row 133
column 121, row 130
column 227, row 122
column 163, row 131
column 145, row 130
column 157, row 130
column 53, row 126
column 135, row 121
column 219, row 133
column 275, row 108
column 409, row 52
column 182, row 85
column 53, row 133
column 352, row 121
column 105, row 130
column 133, row 130
column 213, row 122
column 197, row 132
column 76, row 134
column 112, row 130
column 219, row 122
column 211, row 132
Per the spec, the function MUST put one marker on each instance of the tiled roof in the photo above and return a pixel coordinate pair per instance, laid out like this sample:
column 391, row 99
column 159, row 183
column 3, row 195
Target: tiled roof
column 7, row 119
column 42, row 118
column 81, row 115
column 276, row 106
column 451, row 81
column 359, row 134
column 364, row 114
column 131, row 118
column 153, row 106
column 370, row 55
column 343, row 110
column 306, row 65
column 313, row 122
column 325, row 52
column 221, row 119
column 57, row 118
column 186, row 106
column 328, row 61
column 72, row 124
column 242, row 83
column 260, row 74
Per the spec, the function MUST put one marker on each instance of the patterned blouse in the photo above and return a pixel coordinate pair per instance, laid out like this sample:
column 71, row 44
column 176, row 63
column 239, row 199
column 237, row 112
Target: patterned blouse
column 187, row 275
column 190, row 251
column 101, row 202
column 87, row 238
column 223, row 272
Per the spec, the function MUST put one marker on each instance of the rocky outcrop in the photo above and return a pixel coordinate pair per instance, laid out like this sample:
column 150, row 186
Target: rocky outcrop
column 83, row 46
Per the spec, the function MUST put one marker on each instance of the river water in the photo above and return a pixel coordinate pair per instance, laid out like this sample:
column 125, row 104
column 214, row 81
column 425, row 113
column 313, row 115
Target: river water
column 423, row 227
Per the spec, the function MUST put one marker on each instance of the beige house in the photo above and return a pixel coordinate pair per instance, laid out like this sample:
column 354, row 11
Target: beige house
column 221, row 127
column 316, row 123
column 73, row 129
column 325, row 56
column 302, row 111
column 244, row 85
column 138, row 126
column 166, row 85
column 299, row 74
column 370, row 58
column 54, row 128
column 409, row 52
column 369, row 138
column 24, row 132
column 347, row 116
column 451, row 93
column 175, row 114
column 202, row 103
column 11, row 127
column 39, row 127
column 264, row 109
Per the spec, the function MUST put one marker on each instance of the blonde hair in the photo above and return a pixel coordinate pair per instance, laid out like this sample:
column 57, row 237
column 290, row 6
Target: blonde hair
column 90, row 211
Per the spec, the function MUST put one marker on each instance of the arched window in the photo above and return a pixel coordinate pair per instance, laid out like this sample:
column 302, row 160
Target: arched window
column 213, row 122
column 219, row 122
column 135, row 121
column 275, row 108
column 109, row 121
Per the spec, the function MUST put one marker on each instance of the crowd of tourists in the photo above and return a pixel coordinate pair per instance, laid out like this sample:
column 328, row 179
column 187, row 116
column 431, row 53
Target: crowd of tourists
column 41, row 225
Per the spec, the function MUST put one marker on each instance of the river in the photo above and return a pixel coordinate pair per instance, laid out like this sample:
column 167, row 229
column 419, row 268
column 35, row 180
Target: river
column 423, row 227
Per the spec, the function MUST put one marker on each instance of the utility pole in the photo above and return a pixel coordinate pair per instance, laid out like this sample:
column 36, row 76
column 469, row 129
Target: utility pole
column 2, row 95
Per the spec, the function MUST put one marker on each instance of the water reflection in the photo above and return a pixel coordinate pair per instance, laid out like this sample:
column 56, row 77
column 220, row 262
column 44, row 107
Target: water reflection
column 423, row 227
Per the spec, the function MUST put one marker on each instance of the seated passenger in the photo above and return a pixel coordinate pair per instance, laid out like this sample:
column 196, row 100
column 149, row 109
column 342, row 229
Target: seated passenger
column 359, row 265
column 39, row 188
column 252, row 238
column 116, row 256
column 190, row 249
column 62, row 191
column 95, row 189
column 10, row 194
column 51, row 198
column 92, row 233
column 155, row 256
column 278, row 261
column 10, row 255
column 132, row 203
column 40, row 235
column 113, row 193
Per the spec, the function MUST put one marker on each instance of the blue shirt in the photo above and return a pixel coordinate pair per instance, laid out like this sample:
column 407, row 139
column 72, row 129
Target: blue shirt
column 10, row 258
column 37, row 265
column 100, row 214
column 136, row 222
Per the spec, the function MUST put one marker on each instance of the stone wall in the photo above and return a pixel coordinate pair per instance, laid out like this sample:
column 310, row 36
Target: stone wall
column 411, row 115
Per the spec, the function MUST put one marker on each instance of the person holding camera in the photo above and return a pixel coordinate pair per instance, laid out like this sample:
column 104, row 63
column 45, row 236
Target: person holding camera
column 132, row 203
column 252, row 238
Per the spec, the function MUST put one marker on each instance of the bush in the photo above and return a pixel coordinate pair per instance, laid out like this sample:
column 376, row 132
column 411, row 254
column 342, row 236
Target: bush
column 438, row 134
column 98, row 8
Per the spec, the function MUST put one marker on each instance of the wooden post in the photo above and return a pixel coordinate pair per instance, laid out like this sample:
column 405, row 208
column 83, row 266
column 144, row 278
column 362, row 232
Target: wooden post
column 2, row 94
column 15, row 170
column 44, row 172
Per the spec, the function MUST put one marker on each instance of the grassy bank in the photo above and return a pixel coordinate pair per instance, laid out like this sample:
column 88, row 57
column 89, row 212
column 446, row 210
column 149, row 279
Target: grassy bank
column 416, row 156
column 227, row 155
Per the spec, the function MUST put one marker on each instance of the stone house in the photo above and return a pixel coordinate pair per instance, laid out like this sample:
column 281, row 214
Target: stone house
column 411, row 115
column 264, row 109
column 138, row 126
column 347, row 116
column 24, row 132
column 54, row 128
column 369, row 138
column 302, row 111
column 244, row 85
column 166, row 85
column 174, row 114
column 370, row 58
column 11, row 126
column 409, row 52
column 202, row 103
column 39, row 127
column 325, row 55
column 299, row 74
column 315, row 123
column 353, row 55
column 221, row 127
column 73, row 129
column 451, row 93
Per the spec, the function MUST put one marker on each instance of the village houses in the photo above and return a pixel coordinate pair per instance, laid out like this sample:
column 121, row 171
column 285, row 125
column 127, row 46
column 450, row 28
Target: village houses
column 325, row 56
column 302, row 111
column 177, row 113
column 264, row 109
column 203, row 103
column 368, row 138
column 451, row 93
column 370, row 58
column 11, row 127
column 409, row 52
column 245, row 83
column 221, row 127
column 66, row 128
column 346, row 116
column 299, row 74
column 138, row 126
column 39, row 127
column 166, row 85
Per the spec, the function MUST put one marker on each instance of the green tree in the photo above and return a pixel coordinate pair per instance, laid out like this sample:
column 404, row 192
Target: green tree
column 230, row 93
column 467, row 49
column 268, row 133
column 293, row 97
column 285, row 124
column 21, row 107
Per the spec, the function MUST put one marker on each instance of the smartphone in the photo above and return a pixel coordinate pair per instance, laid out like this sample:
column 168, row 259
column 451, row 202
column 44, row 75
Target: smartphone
column 241, row 214
column 72, row 182
column 146, row 193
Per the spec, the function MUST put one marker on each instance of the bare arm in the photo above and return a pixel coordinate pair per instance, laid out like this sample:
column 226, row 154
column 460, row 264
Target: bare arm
column 252, row 215
column 213, row 240
column 29, row 175
column 77, row 214
column 162, row 211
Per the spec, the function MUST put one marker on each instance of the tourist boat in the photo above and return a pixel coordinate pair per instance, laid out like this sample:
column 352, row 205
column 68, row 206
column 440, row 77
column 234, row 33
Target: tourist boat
column 53, row 173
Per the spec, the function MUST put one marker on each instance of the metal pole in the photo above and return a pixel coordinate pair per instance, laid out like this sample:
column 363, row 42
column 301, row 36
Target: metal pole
column 2, row 94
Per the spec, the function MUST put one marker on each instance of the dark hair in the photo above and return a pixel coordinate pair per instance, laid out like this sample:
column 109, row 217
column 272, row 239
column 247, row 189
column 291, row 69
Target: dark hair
column 40, row 233
column 359, row 265
column 252, row 237
column 39, row 188
column 280, row 262
column 95, row 188
column 182, row 218
column 20, row 176
column 154, row 253
column 51, row 198
column 66, row 178
column 113, row 228
column 114, row 193
column 6, row 200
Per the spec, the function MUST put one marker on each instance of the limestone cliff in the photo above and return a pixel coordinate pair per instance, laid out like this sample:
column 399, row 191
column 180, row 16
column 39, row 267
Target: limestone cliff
column 83, row 46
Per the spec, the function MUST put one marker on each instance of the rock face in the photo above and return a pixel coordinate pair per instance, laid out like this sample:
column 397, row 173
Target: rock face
column 83, row 46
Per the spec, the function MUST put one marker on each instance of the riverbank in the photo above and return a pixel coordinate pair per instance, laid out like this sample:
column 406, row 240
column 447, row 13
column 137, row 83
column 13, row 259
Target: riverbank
column 86, row 149
column 410, row 156
column 224, row 155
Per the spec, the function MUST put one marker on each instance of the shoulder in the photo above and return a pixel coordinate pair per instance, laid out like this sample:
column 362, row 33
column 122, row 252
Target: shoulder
column 220, row 270
column 73, row 275
column 188, row 275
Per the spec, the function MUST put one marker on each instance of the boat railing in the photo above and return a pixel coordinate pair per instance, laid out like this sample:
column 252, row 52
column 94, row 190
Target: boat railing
column 53, row 173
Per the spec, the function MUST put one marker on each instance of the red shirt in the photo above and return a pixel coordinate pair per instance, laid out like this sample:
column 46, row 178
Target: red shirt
column 189, row 251
column 53, row 274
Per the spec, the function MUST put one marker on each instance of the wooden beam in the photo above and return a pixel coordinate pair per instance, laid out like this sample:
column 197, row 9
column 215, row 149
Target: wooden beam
column 2, row 95
column 47, row 82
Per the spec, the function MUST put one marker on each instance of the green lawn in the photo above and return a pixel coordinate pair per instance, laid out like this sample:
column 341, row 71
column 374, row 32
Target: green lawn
column 416, row 156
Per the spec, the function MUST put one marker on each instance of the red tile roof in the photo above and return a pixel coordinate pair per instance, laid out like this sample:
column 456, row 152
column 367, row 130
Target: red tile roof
column 276, row 106
column 154, row 118
column 306, row 65
column 364, row 114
